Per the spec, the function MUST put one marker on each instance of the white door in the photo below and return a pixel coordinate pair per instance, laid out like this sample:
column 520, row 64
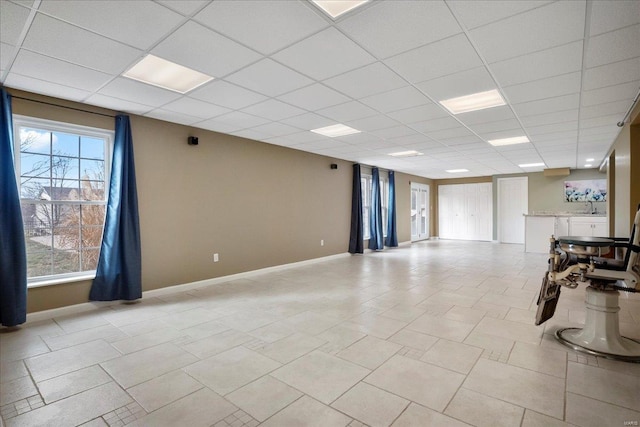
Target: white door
column 419, row 211
column 513, row 203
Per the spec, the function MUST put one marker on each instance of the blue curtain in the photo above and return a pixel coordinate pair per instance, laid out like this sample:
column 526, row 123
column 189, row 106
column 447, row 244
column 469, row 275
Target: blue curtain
column 356, row 239
column 118, row 276
column 376, row 239
column 13, row 255
column 392, row 234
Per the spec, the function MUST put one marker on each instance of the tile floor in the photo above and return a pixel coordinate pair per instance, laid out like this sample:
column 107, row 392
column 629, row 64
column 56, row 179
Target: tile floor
column 439, row 333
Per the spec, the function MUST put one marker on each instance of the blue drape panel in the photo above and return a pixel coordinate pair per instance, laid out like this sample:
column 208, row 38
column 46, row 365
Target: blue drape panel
column 376, row 239
column 356, row 238
column 392, row 234
column 118, row 276
column 13, row 255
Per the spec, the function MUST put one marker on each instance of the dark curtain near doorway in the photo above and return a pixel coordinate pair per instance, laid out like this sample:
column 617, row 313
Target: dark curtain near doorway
column 356, row 238
column 392, row 234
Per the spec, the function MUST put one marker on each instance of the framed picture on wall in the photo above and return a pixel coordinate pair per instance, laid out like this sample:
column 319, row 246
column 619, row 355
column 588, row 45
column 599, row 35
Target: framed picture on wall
column 587, row 190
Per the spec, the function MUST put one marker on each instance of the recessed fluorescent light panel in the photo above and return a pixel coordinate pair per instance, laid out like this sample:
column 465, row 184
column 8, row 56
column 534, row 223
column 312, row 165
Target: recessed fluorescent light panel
column 589, row 160
column 335, row 8
column 531, row 165
column 166, row 74
column 474, row 102
column 457, row 170
column 335, row 130
column 588, row 165
column 410, row 153
column 508, row 141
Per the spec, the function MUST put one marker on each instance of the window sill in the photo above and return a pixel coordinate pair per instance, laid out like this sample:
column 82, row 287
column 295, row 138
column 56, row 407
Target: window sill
column 60, row 280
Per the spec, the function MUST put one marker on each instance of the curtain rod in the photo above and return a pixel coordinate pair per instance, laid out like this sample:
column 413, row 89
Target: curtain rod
column 626, row 116
column 62, row 106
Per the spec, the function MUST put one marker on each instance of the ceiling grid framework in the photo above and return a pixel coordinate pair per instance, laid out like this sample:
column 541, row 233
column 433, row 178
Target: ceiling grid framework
column 568, row 70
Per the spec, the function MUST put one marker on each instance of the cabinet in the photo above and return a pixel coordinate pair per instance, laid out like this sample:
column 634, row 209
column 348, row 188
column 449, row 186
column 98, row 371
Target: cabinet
column 588, row 226
column 465, row 211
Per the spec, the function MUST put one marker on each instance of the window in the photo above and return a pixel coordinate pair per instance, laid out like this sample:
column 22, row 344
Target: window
column 62, row 174
column 367, row 187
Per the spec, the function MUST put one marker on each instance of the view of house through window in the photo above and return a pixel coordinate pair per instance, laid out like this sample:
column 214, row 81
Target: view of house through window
column 63, row 174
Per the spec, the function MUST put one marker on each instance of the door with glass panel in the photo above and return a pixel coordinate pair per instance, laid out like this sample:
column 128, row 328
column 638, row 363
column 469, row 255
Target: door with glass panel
column 419, row 211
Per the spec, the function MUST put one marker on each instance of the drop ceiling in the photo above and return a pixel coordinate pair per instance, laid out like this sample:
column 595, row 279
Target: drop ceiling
column 568, row 70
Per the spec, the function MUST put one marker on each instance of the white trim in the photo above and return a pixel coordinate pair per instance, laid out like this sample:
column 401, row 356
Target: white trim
column 57, row 280
column 94, row 305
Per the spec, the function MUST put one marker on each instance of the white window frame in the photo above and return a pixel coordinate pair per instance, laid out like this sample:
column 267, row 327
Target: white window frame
column 68, row 128
column 366, row 181
column 384, row 202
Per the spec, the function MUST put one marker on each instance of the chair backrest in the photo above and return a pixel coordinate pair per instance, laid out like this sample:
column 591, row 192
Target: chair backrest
column 633, row 239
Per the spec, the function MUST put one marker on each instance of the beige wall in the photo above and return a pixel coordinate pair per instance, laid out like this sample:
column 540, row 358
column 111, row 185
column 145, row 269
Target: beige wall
column 257, row 205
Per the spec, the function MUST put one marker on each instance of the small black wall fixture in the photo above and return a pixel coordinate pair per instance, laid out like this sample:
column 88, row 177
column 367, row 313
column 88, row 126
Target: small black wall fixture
column 334, row 166
column 192, row 140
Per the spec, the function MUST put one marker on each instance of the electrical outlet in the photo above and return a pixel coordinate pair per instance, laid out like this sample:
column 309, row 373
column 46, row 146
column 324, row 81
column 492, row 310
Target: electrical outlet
column 321, row 242
column 216, row 258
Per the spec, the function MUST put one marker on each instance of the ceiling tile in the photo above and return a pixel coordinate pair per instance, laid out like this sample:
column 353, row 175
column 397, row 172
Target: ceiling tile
column 366, row 81
column 453, row 55
column 314, row 97
column 270, row 78
column 240, row 120
column 6, row 55
column 45, row 87
column 570, row 135
column 347, row 112
column 250, row 134
column 545, row 88
column 308, row 121
column 474, row 13
column 611, row 74
column 48, row 69
column 487, row 115
column 397, row 99
column 436, row 124
column 610, row 94
column 302, row 137
column 226, row 94
column 419, row 114
column 195, row 108
column 617, row 107
column 604, row 121
column 547, row 26
column 407, row 24
column 172, row 116
column 372, row 123
column 133, row 91
column 266, row 26
column 64, row 41
column 614, row 46
column 548, row 105
column 12, row 20
column 454, row 136
column 118, row 104
column 185, row 7
column 323, row 55
column 394, row 132
column 612, row 15
column 139, row 23
column 483, row 129
column 276, row 129
column 273, row 110
column 556, row 127
column 550, row 118
column 539, row 65
column 458, row 84
column 217, row 126
column 197, row 47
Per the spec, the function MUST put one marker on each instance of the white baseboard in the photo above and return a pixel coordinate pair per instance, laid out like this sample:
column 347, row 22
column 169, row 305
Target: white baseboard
column 94, row 305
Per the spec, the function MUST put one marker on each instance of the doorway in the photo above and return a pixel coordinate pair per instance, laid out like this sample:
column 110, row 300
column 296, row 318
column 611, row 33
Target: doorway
column 513, row 204
column 419, row 211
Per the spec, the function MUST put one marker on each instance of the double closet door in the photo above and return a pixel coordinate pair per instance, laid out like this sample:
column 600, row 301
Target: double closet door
column 465, row 211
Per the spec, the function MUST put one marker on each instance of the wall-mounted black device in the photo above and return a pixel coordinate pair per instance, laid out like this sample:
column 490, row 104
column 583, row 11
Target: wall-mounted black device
column 193, row 140
column 334, row 166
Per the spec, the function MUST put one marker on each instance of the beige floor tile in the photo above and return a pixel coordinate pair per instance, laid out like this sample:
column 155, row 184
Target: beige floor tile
column 523, row 303
column 72, row 383
column 539, row 359
column 441, row 328
column 309, row 413
column 291, row 347
column 372, row 406
column 98, row 422
column 465, row 314
column 586, row 412
column 263, row 397
column 369, row 352
column 527, row 317
column 321, row 376
column 10, row 371
column 203, row 408
column 144, row 327
column 230, row 370
column 150, row 339
column 418, row 416
column 107, row 333
column 402, row 312
column 76, row 409
column 340, row 337
column 414, row 339
column 15, row 346
column 165, row 389
column 17, row 389
column 190, row 318
column 452, row 355
column 511, row 330
column 311, row 323
column 215, row 344
column 70, row 359
column 248, row 321
column 80, row 321
column 483, row 411
column 141, row 366
column 273, row 332
column 453, row 298
column 376, row 325
column 522, row 387
column 607, row 386
column 420, row 382
column 534, row 419
column 618, row 366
